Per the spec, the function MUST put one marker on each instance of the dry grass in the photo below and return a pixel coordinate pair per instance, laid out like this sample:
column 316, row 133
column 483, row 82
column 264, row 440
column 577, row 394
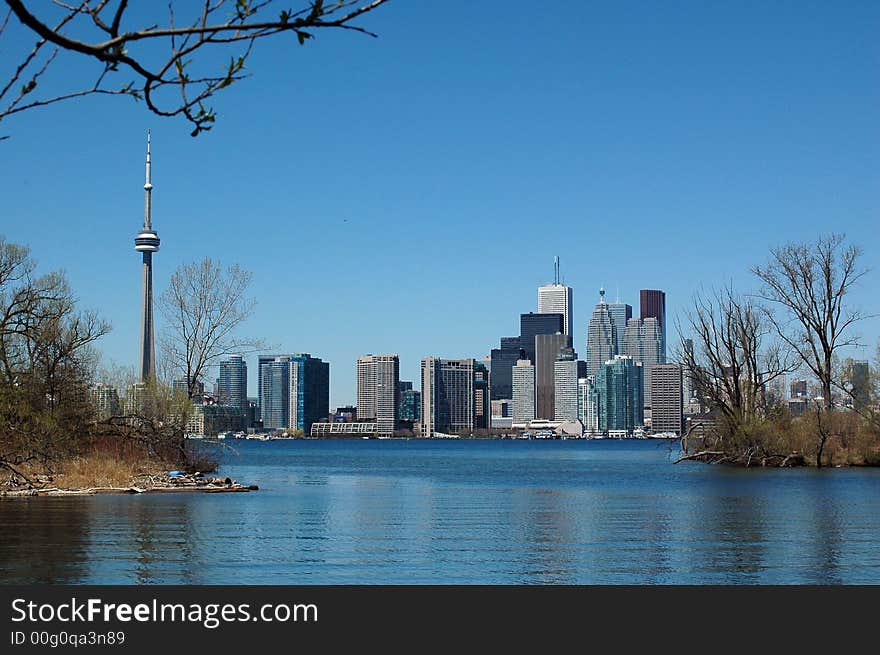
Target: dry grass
column 101, row 470
column 106, row 463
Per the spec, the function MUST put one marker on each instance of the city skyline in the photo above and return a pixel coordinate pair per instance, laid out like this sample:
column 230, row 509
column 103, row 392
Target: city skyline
column 657, row 170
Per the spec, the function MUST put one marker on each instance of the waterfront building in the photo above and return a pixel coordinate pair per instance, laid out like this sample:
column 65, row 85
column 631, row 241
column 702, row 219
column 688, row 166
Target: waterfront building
column 565, row 385
column 378, row 384
column 620, row 315
column 547, row 347
column 666, row 398
column 252, row 416
column 345, row 429
column 344, row 414
column 601, row 337
column 688, row 380
column 503, row 359
column 410, row 407
column 232, row 383
column 105, row 400
column 482, row 408
column 643, row 342
column 586, row 405
column 653, row 305
column 523, row 391
column 209, row 419
column 146, row 242
column 556, row 299
column 274, row 390
column 309, row 391
column 618, row 386
column 447, row 396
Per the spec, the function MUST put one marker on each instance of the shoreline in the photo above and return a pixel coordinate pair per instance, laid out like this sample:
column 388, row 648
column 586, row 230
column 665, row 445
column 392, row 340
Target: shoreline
column 142, row 484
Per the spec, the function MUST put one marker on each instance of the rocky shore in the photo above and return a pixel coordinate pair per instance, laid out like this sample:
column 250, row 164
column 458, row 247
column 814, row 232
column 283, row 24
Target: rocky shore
column 172, row 482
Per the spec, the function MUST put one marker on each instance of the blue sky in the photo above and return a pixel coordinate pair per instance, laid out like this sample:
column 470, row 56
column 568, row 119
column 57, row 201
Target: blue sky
column 407, row 194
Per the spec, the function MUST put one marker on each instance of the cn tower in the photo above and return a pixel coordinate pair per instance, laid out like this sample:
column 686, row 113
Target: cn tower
column 147, row 242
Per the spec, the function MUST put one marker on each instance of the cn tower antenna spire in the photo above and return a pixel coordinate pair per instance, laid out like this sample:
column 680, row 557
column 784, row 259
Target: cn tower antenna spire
column 556, row 270
column 148, row 187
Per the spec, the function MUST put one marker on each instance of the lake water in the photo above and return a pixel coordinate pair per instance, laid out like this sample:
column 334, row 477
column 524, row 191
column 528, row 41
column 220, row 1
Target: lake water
column 493, row 512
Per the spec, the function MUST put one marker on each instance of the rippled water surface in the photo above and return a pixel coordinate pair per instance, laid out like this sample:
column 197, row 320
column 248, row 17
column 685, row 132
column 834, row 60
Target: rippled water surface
column 495, row 512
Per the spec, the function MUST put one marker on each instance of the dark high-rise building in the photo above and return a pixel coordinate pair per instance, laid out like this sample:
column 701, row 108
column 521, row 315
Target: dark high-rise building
column 502, row 362
column 410, row 405
column 653, row 305
column 309, row 392
column 482, row 407
column 531, row 325
column 547, row 347
column 618, row 393
column 294, row 391
column 861, row 385
column 232, row 383
column 799, row 389
column 252, row 416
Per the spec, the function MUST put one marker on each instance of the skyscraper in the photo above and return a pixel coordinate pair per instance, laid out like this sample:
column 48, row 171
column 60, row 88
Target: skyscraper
column 531, row 325
column 105, row 400
column 565, row 384
column 556, row 299
column 409, row 407
column 587, row 405
column 644, row 343
column 378, row 379
column 232, row 383
column 653, row 305
column 620, row 314
column 861, row 385
column 482, row 408
column 547, row 347
column 274, row 389
column 523, row 391
column 619, row 405
column 601, row 336
column 147, row 242
column 447, row 396
column 666, row 405
column 502, row 361
column 309, row 386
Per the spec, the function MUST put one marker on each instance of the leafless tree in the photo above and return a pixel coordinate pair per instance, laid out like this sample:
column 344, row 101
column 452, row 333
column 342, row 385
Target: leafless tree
column 810, row 283
column 45, row 361
column 203, row 307
column 734, row 357
column 174, row 62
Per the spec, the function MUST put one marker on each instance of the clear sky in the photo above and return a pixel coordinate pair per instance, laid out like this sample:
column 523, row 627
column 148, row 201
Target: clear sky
column 407, row 194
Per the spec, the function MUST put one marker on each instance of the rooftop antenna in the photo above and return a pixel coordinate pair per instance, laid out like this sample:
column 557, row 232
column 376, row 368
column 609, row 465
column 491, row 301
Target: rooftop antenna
column 556, row 270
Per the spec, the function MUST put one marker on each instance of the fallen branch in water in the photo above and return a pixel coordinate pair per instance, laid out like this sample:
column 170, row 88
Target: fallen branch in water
column 702, row 455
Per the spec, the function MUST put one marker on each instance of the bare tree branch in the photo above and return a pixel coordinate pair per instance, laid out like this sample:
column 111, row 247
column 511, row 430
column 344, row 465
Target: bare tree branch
column 244, row 22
